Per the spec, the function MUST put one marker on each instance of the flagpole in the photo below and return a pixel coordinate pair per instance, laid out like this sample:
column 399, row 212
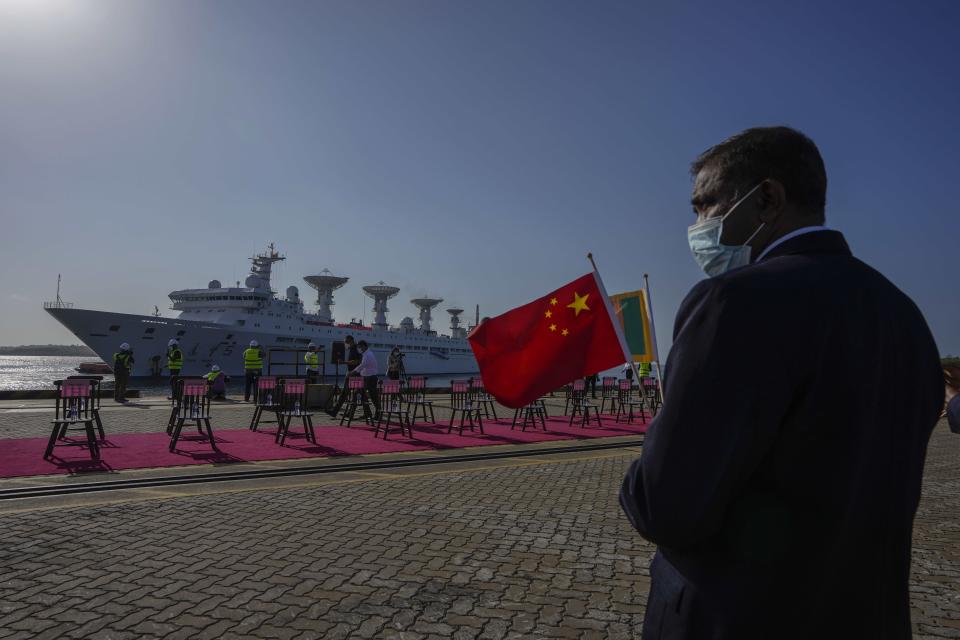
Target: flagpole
column 628, row 357
column 653, row 335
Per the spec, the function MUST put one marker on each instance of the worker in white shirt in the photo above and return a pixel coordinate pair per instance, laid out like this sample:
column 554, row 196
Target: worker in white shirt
column 368, row 370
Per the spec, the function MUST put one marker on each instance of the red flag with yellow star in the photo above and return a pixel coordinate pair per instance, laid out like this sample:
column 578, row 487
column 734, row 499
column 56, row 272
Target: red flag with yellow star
column 541, row 346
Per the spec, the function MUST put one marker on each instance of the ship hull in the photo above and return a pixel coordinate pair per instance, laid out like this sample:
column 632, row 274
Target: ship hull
column 205, row 344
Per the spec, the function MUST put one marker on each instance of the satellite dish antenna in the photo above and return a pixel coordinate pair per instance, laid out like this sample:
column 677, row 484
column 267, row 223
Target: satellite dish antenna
column 456, row 331
column 380, row 293
column 325, row 283
column 425, row 305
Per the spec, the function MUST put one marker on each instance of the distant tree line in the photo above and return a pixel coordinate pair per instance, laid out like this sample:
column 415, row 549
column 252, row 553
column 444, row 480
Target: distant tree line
column 950, row 361
column 47, row 350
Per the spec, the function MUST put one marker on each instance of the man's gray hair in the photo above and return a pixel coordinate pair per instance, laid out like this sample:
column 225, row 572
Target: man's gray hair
column 780, row 153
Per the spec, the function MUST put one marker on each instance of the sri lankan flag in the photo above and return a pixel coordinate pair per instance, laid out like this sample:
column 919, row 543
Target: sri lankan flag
column 633, row 313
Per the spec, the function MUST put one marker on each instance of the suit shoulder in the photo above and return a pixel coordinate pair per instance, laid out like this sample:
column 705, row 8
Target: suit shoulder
column 730, row 284
column 701, row 291
column 782, row 277
column 704, row 297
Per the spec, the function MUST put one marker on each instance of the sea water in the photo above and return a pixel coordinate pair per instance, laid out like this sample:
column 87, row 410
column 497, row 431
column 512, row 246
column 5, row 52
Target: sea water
column 39, row 372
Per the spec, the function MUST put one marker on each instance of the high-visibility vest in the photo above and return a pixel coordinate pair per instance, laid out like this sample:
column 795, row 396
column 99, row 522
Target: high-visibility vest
column 175, row 359
column 123, row 359
column 213, row 375
column 312, row 359
column 644, row 368
column 253, row 358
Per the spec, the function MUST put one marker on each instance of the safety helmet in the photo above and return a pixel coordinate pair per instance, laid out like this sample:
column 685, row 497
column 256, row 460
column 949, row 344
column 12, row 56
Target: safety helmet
column 254, row 343
column 311, row 346
column 172, row 343
column 125, row 346
column 215, row 367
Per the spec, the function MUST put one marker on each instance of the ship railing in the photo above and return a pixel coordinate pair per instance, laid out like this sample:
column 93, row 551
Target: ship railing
column 58, row 304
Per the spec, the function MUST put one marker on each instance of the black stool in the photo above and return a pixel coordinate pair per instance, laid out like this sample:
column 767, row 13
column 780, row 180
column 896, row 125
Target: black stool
column 193, row 405
column 293, row 404
column 530, row 414
column 392, row 406
column 75, row 406
column 356, row 400
column 461, row 401
column 266, row 397
column 416, row 398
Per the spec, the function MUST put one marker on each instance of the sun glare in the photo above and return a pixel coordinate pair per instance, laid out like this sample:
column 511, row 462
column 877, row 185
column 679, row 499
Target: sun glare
column 37, row 9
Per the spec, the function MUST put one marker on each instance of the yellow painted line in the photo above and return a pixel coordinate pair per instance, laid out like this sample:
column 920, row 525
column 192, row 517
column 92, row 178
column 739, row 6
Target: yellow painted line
column 278, row 483
column 298, row 485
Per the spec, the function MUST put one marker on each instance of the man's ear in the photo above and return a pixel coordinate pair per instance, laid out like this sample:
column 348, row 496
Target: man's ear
column 772, row 200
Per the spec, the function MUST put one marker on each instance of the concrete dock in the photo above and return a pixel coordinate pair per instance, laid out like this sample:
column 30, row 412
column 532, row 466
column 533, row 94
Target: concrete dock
column 515, row 546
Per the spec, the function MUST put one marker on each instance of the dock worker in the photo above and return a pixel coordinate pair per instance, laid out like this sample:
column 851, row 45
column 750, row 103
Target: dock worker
column 352, row 360
column 643, row 368
column 122, row 365
column 590, row 383
column 395, row 368
column 312, row 360
column 174, row 364
column 352, row 354
column 252, row 367
column 778, row 484
column 217, row 383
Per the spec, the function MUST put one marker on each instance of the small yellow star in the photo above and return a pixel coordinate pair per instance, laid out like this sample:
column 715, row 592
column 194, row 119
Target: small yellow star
column 549, row 314
column 553, row 327
column 564, row 332
column 579, row 304
column 553, row 301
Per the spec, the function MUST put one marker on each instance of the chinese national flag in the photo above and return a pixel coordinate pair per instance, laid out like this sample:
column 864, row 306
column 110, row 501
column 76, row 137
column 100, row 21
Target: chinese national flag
column 541, row 346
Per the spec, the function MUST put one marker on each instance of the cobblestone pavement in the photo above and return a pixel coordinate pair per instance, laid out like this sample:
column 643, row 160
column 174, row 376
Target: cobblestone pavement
column 33, row 419
column 531, row 550
column 935, row 573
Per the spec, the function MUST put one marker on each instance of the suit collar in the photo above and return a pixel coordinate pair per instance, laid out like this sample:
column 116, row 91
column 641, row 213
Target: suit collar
column 825, row 241
column 793, row 234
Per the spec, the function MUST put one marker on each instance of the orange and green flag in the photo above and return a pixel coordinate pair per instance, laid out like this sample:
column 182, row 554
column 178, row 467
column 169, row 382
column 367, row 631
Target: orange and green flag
column 633, row 313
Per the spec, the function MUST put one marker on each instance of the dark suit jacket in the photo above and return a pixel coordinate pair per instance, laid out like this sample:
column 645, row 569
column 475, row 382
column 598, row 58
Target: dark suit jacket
column 781, row 477
column 352, row 357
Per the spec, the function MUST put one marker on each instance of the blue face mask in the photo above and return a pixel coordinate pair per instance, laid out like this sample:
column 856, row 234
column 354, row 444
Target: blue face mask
column 715, row 258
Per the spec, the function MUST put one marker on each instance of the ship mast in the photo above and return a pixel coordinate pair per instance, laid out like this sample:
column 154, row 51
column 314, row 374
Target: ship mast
column 259, row 277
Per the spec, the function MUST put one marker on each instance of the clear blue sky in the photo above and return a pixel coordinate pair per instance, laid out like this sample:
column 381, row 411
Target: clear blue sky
column 472, row 150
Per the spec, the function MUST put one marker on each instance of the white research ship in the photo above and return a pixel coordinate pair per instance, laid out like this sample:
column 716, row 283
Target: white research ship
column 217, row 323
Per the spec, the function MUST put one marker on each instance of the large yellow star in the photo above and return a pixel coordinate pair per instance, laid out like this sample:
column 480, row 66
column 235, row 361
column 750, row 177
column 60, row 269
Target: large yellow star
column 579, row 304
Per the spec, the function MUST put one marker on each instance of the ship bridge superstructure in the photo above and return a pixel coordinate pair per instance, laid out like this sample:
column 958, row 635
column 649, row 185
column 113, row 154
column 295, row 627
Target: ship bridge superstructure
column 255, row 298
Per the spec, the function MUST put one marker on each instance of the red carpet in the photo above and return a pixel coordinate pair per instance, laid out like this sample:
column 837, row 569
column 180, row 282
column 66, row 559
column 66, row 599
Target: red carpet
column 24, row 457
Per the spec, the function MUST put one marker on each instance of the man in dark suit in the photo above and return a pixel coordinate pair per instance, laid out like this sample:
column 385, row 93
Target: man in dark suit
column 782, row 474
column 352, row 360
